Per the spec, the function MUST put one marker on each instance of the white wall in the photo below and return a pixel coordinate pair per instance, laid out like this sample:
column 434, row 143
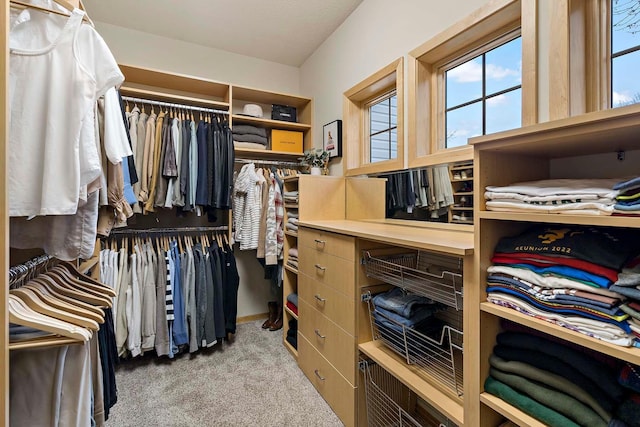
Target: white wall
column 133, row 47
column 375, row 34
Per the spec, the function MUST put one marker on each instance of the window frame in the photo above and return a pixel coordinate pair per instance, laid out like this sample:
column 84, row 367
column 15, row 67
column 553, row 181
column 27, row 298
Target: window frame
column 356, row 116
column 443, row 67
column 493, row 21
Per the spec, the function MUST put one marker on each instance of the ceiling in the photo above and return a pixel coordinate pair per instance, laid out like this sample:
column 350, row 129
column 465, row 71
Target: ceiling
column 282, row 31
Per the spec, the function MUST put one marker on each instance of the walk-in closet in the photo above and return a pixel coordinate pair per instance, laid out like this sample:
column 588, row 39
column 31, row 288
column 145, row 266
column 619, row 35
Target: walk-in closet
column 339, row 213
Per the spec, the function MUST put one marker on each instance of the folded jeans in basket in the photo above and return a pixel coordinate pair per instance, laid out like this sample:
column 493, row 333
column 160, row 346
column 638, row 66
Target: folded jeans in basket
column 405, row 304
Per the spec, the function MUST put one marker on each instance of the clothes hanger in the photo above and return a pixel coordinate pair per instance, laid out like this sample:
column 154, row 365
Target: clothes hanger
column 44, row 287
column 76, row 275
column 21, row 314
column 55, row 301
column 36, row 303
column 81, row 290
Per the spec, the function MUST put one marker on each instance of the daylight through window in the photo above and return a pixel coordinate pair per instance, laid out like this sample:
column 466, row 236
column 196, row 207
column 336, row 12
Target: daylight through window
column 383, row 128
column 625, row 52
column 484, row 94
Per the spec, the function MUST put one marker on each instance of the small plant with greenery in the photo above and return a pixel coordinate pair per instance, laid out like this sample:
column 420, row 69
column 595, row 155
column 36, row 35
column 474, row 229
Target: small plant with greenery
column 316, row 157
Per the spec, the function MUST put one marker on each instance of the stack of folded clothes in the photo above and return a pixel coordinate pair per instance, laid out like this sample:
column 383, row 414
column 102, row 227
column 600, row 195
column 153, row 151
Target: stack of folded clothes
column 292, row 302
column 292, row 220
column 292, row 260
column 628, row 199
column 565, row 275
column 558, row 384
column 397, row 312
column 247, row 136
column 292, row 333
column 290, row 197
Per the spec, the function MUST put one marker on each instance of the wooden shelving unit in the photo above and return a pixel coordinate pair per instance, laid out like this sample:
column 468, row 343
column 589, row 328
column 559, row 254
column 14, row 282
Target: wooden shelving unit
column 290, row 279
column 528, row 154
column 461, row 176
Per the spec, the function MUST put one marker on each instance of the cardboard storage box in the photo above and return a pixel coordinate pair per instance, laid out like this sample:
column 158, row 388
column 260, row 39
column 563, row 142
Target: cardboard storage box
column 286, row 140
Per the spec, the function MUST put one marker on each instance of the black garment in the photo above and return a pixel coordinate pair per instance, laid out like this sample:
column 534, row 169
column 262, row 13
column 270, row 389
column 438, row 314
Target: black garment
column 216, row 273
column 133, row 175
column 185, row 164
column 108, row 360
column 162, row 182
column 201, row 291
column 201, row 189
column 292, row 333
column 230, row 282
column 211, row 130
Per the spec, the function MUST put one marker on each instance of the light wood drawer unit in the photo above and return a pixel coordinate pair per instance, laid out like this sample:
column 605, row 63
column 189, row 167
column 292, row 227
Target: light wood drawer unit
column 337, row 346
column 328, row 243
column 333, row 387
column 329, row 302
column 337, row 273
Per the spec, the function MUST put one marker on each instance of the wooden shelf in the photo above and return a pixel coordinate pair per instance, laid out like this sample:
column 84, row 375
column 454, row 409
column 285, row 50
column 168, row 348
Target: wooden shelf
column 248, row 153
column 630, row 354
column 465, row 193
column 292, row 178
column 291, row 269
column 462, row 179
column 291, row 205
column 291, row 233
column 606, row 221
column 248, row 94
column 288, row 310
column 448, row 405
column 268, row 123
column 459, row 221
column 462, row 167
column 461, row 208
column 509, row 411
column 166, row 95
column 578, row 135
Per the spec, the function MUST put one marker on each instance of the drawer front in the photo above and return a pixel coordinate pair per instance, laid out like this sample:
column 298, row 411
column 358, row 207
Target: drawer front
column 337, row 346
column 336, row 390
column 330, row 243
column 337, row 273
column 328, row 301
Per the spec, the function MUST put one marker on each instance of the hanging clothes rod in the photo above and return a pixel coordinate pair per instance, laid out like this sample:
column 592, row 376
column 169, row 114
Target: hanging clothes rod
column 18, row 274
column 270, row 162
column 173, row 105
column 174, row 230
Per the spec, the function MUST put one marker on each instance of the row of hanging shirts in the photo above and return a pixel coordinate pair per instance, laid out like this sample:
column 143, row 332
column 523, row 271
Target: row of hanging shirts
column 175, row 294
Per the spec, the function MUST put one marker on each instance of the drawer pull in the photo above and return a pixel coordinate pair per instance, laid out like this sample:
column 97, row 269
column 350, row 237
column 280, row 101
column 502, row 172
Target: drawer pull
column 320, row 377
column 319, row 334
column 320, row 242
column 319, row 298
column 319, row 267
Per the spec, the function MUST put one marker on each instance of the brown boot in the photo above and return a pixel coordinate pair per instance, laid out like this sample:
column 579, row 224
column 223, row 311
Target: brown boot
column 278, row 323
column 273, row 315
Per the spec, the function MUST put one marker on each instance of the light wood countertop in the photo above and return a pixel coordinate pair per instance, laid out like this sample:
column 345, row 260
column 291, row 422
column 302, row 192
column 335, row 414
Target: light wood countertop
column 447, row 241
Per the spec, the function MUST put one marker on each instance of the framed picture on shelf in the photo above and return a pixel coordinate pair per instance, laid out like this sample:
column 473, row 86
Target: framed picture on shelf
column 332, row 138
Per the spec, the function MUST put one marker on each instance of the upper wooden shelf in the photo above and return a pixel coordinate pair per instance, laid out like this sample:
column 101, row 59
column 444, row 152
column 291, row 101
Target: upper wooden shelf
column 630, row 354
column 169, row 95
column 260, row 96
column 606, row 221
column 275, row 124
column 604, row 131
column 451, row 407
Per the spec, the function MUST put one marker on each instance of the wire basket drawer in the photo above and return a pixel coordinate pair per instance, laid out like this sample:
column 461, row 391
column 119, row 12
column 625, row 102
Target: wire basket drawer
column 436, row 351
column 391, row 403
column 435, row 276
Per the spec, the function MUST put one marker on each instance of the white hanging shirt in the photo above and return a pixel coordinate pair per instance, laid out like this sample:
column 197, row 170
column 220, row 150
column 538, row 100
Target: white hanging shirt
column 58, row 69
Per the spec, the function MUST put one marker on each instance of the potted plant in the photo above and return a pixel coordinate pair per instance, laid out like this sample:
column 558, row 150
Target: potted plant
column 316, row 159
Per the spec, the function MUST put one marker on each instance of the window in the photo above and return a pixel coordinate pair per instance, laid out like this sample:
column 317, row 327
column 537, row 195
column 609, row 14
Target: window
column 484, row 94
column 373, row 123
column 625, row 52
column 383, row 128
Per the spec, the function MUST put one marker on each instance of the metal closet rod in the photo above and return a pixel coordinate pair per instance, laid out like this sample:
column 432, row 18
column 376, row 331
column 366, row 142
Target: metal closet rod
column 173, row 230
column 270, row 162
column 173, row 105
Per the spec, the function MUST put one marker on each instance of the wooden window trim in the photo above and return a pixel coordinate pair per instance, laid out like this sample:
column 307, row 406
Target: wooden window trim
column 355, row 114
column 426, row 100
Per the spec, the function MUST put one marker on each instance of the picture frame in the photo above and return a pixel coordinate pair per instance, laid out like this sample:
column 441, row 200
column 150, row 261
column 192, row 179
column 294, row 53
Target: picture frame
column 332, row 138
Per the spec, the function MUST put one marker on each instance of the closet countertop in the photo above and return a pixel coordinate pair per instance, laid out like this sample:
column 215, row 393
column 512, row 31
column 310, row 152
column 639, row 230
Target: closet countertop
column 448, row 241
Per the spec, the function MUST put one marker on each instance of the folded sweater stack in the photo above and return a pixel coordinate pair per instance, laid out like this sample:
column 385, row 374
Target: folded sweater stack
column 292, row 303
column 292, row 259
column 292, row 220
column 252, row 137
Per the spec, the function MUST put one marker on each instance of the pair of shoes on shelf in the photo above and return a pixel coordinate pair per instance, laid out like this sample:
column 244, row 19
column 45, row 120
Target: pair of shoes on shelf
column 274, row 322
column 461, row 217
column 457, row 176
column 463, row 174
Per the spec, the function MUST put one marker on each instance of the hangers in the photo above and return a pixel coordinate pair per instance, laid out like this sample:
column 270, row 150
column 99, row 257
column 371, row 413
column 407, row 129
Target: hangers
column 65, row 4
column 21, row 314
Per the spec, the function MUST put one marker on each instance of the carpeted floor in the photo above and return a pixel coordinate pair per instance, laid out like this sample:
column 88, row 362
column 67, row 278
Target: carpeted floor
column 253, row 381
